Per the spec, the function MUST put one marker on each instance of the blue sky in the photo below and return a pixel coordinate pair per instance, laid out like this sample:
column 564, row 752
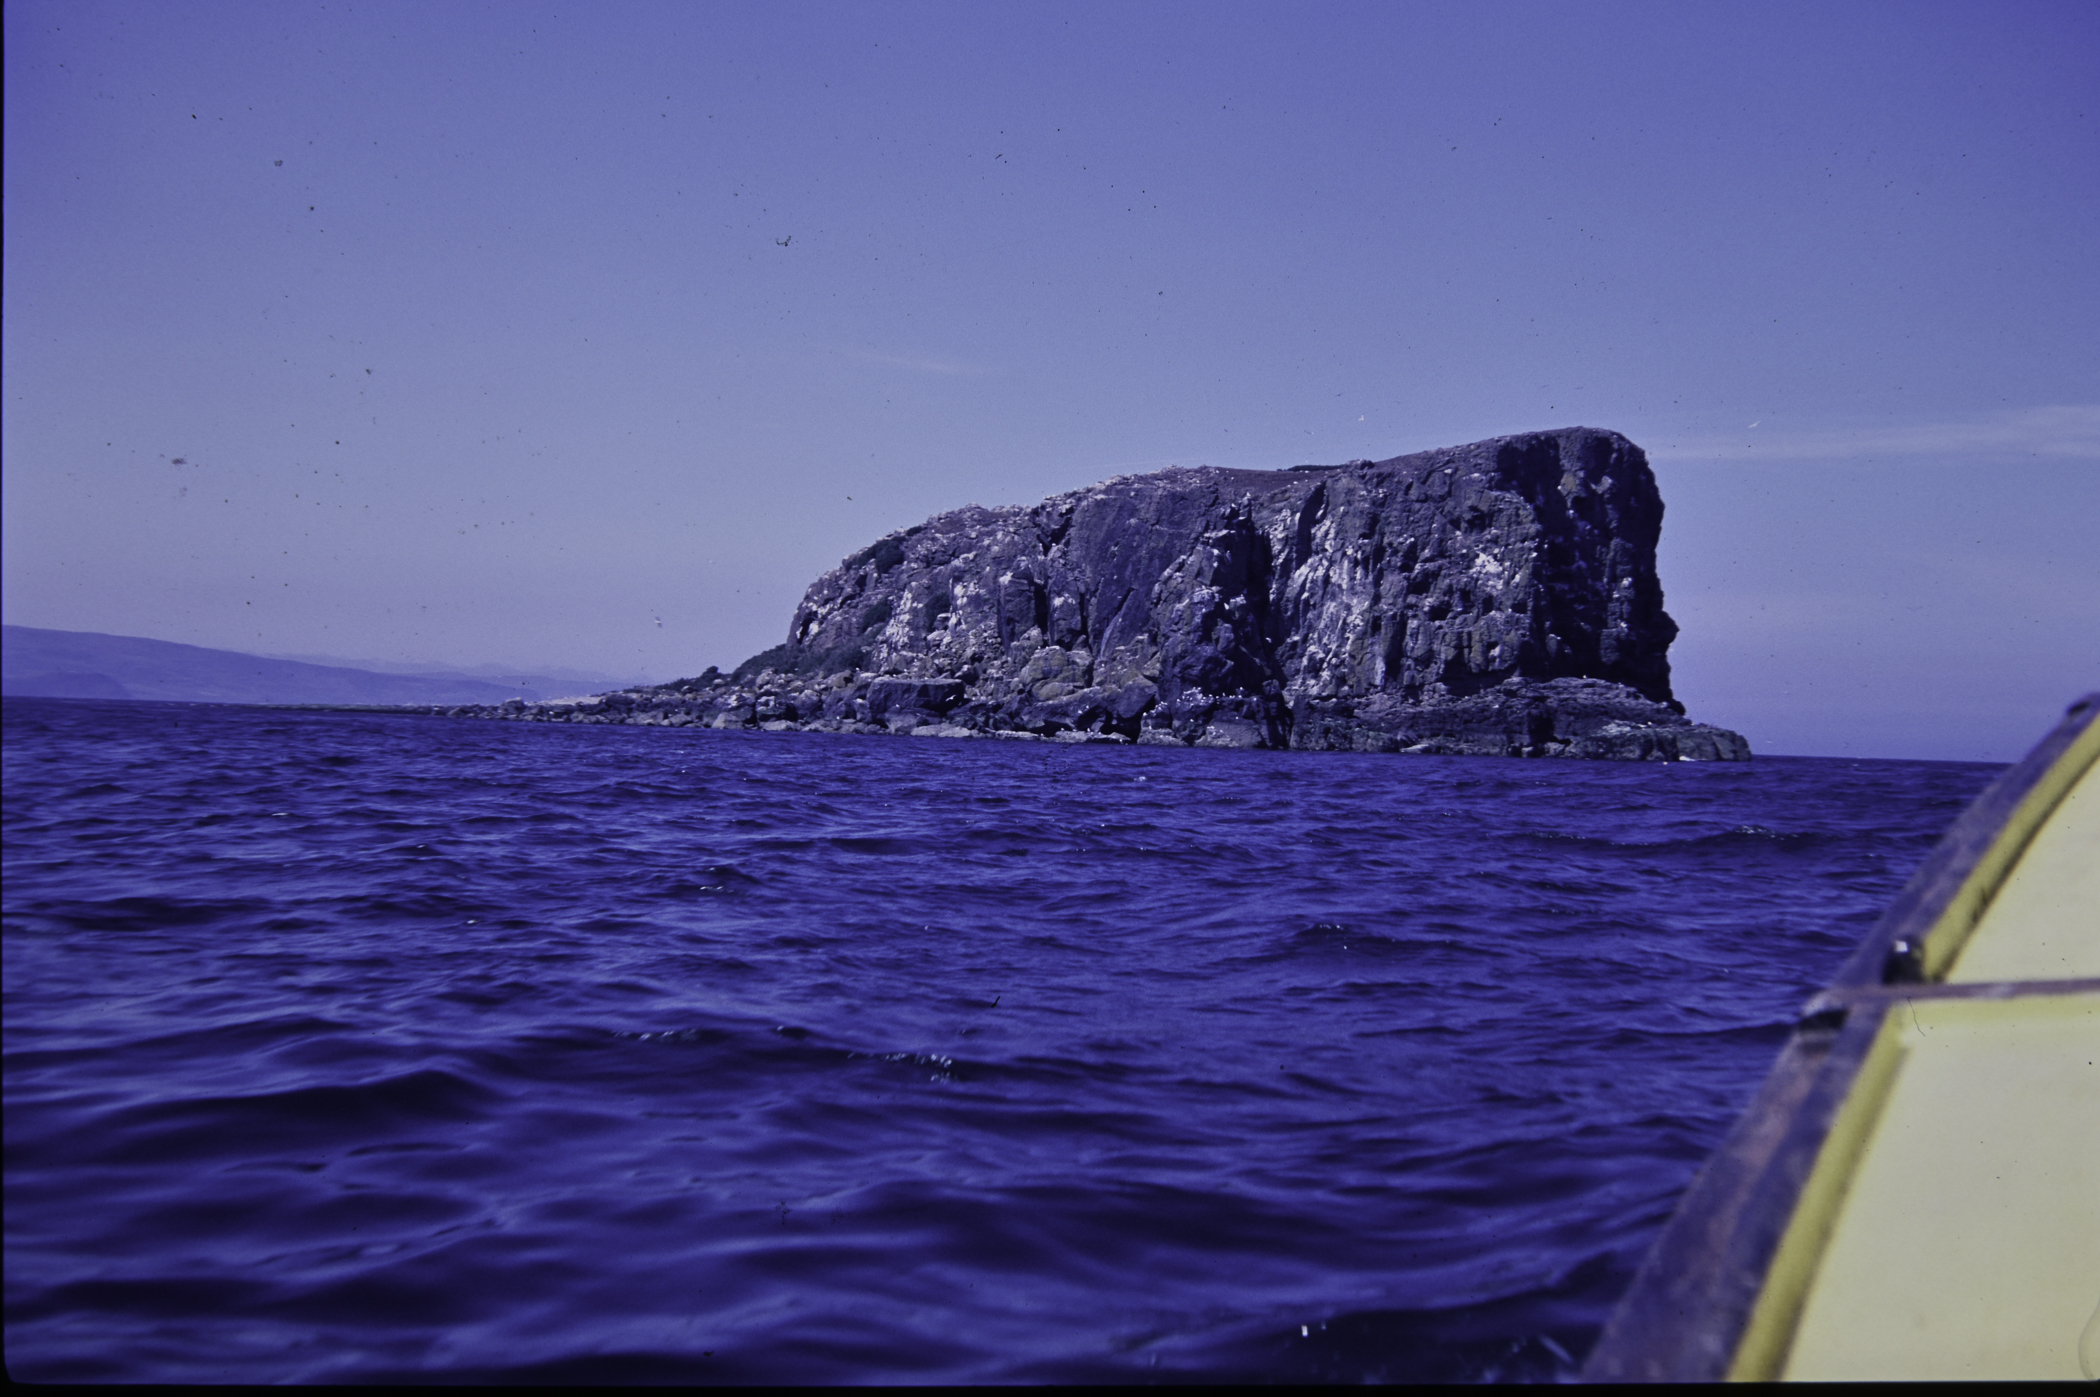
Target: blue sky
column 590, row 335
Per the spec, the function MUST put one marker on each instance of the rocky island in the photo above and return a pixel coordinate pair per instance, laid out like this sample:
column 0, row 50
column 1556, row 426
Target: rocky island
column 1493, row 599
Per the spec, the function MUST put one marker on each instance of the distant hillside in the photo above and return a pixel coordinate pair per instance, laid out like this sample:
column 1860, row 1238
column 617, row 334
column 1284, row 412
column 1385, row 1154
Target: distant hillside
column 554, row 678
column 85, row 664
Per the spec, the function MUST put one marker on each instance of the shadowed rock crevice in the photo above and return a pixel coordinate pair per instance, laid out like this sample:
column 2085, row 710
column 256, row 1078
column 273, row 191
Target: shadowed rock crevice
column 1497, row 598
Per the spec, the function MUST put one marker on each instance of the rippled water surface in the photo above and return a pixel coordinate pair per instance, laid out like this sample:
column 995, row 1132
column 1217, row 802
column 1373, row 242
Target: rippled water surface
column 357, row 1046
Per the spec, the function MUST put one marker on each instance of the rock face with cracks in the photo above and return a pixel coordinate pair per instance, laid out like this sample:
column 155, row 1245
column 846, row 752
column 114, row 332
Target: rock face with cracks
column 1495, row 599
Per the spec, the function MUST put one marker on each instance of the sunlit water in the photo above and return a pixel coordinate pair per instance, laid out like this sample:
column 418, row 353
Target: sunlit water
column 348, row 1046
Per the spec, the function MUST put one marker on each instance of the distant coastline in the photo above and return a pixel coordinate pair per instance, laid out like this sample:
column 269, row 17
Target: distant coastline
column 40, row 663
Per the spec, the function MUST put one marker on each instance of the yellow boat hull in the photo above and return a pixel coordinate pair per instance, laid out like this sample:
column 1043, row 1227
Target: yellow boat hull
column 1915, row 1193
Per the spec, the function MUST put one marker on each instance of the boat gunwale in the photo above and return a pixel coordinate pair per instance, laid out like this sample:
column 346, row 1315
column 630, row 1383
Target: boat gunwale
column 1922, row 933
column 1757, row 1214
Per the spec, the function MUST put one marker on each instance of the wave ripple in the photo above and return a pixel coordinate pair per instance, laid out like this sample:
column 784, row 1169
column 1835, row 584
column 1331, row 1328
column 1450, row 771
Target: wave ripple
column 347, row 1047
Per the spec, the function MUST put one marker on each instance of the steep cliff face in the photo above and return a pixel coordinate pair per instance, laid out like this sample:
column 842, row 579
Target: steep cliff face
column 1445, row 599
column 1493, row 598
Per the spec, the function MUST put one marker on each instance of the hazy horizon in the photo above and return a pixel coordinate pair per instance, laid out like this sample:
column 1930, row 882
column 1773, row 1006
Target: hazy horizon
column 544, row 340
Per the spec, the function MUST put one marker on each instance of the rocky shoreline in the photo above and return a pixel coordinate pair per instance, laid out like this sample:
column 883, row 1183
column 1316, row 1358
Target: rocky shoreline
column 1496, row 599
column 1582, row 719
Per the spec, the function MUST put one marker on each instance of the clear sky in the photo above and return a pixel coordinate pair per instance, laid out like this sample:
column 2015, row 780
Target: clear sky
column 589, row 335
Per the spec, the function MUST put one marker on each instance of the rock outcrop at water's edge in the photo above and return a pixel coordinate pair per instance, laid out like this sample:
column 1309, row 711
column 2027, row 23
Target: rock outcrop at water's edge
column 1494, row 599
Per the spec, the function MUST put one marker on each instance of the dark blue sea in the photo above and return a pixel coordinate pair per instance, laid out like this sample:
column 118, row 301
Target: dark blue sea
column 365, row 1047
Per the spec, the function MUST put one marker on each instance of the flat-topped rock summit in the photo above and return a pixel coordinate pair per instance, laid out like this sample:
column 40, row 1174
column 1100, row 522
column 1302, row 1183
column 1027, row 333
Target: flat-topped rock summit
column 1497, row 599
